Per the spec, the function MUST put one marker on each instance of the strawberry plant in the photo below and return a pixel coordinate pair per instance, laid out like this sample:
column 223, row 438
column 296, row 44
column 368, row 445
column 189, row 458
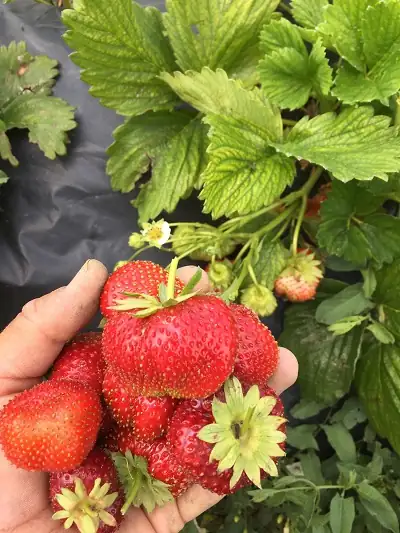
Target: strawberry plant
column 283, row 118
column 26, row 102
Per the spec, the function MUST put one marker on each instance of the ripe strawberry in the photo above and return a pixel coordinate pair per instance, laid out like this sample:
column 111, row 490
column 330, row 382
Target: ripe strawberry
column 162, row 463
column 257, row 352
column 142, row 277
column 89, row 496
column 223, row 448
column 299, row 280
column 314, row 203
column 81, row 361
column 51, row 427
column 148, row 416
column 184, row 351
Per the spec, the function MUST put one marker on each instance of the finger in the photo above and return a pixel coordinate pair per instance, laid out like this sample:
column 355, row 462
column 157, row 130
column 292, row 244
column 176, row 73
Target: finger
column 286, row 373
column 195, row 501
column 30, row 344
column 185, row 274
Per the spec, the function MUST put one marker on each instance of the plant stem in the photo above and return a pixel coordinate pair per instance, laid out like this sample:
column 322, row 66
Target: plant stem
column 299, row 222
column 278, row 220
column 171, row 278
column 288, row 122
column 397, row 112
column 285, row 8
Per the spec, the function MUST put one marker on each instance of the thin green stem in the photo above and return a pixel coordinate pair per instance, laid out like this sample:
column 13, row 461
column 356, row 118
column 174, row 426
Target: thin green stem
column 281, row 231
column 274, row 223
column 171, row 278
column 253, row 275
column 299, row 223
column 132, row 494
column 240, row 221
column 138, row 252
column 288, row 122
column 285, row 8
column 316, row 487
column 397, row 112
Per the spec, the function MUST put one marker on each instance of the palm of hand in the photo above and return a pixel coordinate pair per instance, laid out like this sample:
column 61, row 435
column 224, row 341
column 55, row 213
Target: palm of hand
column 28, row 347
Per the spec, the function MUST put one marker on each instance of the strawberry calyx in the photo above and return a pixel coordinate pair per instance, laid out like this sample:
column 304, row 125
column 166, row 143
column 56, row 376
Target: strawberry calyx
column 86, row 511
column 141, row 489
column 245, row 435
column 145, row 305
column 303, row 266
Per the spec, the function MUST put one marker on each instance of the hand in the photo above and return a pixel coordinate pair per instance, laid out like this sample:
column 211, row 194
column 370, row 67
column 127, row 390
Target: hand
column 28, row 348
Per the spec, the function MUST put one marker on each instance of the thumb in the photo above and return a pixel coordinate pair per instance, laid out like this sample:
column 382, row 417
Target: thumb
column 31, row 342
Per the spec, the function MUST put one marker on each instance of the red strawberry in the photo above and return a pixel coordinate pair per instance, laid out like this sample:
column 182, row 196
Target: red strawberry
column 81, row 361
column 142, row 277
column 95, row 496
column 148, row 416
column 51, row 427
column 166, row 467
column 184, row 351
column 162, row 463
column 223, row 448
column 257, row 352
column 314, row 203
column 299, row 280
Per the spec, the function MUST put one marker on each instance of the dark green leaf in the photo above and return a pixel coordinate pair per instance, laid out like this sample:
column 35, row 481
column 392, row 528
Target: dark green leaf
column 301, row 437
column 311, row 466
column 327, row 362
column 378, row 383
column 350, row 414
column 351, row 228
column 306, row 409
column 375, row 467
column 339, row 264
column 378, row 506
column 342, row 514
column 387, row 294
column 342, row 442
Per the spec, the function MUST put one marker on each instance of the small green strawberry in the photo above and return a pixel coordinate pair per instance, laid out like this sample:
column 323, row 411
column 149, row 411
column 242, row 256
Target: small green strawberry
column 259, row 299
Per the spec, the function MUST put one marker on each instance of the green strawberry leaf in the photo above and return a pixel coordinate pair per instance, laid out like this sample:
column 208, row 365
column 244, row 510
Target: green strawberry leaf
column 385, row 189
column 378, row 506
column 3, row 177
column 351, row 229
column 268, row 262
column 243, row 173
column 302, row 437
column 380, row 39
column 387, row 296
column 5, row 146
column 309, row 13
column 306, row 409
column 138, row 141
column 121, row 48
column 352, row 145
column 22, row 73
column 342, row 442
column 176, row 169
column 350, row 414
column 326, row 362
column 289, row 75
column 346, row 324
column 370, row 282
column 350, row 301
column 378, row 384
column 342, row 514
column 311, row 466
column 343, row 21
column 381, row 333
column 216, row 34
column 48, row 120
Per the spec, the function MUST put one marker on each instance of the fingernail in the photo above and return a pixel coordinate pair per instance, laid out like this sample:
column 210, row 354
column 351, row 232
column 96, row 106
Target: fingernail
column 81, row 274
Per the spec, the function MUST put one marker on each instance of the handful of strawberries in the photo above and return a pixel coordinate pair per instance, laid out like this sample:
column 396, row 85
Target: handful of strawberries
column 172, row 393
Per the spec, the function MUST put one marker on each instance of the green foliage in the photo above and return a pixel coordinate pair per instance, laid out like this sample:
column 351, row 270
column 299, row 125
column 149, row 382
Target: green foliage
column 25, row 102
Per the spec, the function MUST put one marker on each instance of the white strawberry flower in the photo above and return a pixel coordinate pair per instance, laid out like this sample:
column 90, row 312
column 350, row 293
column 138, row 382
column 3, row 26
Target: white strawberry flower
column 156, row 233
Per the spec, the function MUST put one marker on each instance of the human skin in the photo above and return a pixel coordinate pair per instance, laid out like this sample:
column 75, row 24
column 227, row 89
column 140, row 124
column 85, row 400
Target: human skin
column 28, row 348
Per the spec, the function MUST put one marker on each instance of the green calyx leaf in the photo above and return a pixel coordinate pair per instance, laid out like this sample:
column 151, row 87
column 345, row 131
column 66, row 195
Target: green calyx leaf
column 87, row 511
column 148, row 305
column 303, row 265
column 140, row 488
column 245, row 435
